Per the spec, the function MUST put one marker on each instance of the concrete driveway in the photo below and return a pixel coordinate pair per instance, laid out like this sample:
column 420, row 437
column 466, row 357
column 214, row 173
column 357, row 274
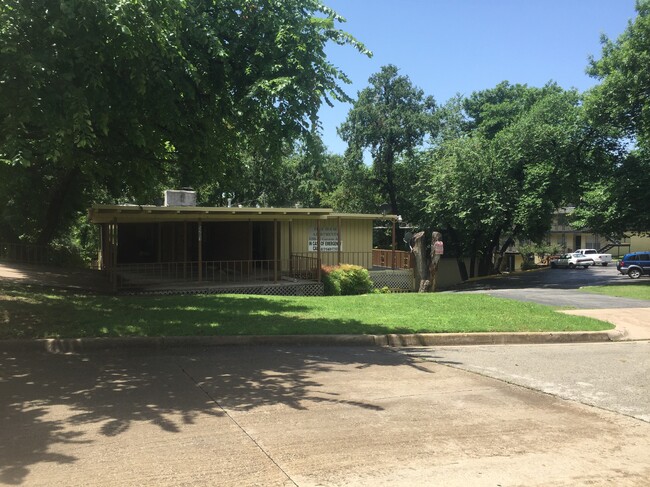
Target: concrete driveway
column 297, row 416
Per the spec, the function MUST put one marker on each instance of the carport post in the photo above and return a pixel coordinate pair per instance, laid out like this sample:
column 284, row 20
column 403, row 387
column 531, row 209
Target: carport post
column 394, row 245
column 200, row 252
column 318, row 248
column 275, row 251
column 338, row 242
column 290, row 248
column 185, row 250
column 101, row 254
column 113, row 239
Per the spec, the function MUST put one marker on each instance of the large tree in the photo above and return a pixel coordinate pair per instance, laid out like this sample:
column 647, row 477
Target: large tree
column 618, row 203
column 114, row 98
column 391, row 118
column 516, row 161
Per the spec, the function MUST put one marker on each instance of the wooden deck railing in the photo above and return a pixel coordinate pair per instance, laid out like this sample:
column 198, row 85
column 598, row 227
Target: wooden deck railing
column 384, row 258
column 218, row 272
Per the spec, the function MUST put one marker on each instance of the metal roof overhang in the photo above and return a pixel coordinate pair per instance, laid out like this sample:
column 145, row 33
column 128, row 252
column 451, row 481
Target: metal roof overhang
column 148, row 214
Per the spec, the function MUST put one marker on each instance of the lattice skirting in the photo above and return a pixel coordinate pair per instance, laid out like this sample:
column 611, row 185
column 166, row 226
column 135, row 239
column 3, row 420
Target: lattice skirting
column 399, row 280
column 302, row 289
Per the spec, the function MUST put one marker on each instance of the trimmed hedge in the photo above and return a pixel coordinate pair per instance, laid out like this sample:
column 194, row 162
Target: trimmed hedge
column 346, row 280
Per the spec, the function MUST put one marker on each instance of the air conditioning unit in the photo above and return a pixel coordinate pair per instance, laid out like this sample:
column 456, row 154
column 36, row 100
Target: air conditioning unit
column 180, row 197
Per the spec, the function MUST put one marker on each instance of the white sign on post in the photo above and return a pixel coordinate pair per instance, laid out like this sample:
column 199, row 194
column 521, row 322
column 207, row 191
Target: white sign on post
column 329, row 240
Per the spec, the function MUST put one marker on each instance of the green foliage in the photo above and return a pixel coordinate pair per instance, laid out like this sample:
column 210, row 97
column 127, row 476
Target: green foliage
column 353, row 188
column 111, row 100
column 492, row 110
column 390, row 118
column 634, row 291
column 506, row 163
column 620, row 100
column 466, row 216
column 528, row 265
column 346, row 280
column 383, row 290
column 529, row 250
column 618, row 204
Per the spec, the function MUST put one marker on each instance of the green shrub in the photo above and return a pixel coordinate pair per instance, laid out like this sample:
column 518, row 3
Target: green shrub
column 527, row 266
column 346, row 280
column 331, row 281
column 383, row 290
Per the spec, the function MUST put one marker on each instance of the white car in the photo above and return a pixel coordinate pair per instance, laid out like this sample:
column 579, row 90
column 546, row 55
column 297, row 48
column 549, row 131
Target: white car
column 599, row 259
column 571, row 261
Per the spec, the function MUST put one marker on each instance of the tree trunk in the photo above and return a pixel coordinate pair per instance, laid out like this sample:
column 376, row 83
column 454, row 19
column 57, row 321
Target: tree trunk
column 462, row 268
column 499, row 260
column 421, row 267
column 485, row 264
column 472, row 265
column 55, row 206
column 435, row 260
column 389, row 162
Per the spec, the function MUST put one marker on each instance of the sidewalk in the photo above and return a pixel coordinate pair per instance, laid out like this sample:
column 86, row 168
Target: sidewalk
column 632, row 323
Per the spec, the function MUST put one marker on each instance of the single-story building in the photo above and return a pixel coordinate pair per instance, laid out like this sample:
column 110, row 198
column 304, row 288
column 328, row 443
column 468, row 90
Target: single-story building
column 145, row 246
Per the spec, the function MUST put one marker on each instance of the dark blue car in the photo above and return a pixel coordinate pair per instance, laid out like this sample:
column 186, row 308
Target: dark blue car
column 635, row 264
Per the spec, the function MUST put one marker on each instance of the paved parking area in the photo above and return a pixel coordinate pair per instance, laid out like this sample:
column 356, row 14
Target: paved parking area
column 560, row 287
column 297, row 416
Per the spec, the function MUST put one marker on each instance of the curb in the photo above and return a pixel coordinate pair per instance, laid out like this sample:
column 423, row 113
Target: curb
column 75, row 345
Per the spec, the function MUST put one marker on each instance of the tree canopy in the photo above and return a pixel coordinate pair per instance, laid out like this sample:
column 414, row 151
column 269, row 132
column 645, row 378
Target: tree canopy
column 391, row 117
column 617, row 203
column 114, row 100
column 111, row 99
column 514, row 155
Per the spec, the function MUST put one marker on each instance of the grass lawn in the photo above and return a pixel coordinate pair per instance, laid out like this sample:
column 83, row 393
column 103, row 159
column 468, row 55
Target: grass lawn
column 33, row 312
column 638, row 290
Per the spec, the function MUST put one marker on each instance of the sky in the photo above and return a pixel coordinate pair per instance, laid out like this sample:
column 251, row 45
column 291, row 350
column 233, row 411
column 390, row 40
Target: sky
column 449, row 47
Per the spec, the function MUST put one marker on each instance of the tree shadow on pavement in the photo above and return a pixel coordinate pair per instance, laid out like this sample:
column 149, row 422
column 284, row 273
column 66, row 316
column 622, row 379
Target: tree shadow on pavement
column 52, row 401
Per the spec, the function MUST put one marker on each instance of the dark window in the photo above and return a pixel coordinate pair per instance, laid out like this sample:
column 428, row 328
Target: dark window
column 644, row 257
column 633, row 258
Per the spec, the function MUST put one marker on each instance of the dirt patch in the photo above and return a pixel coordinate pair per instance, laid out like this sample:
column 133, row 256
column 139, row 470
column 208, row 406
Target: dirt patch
column 54, row 277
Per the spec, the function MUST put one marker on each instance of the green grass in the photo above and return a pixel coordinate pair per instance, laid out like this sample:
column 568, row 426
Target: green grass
column 31, row 312
column 638, row 290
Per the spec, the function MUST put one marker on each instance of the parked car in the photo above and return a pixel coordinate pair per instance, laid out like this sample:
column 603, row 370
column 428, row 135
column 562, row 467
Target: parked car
column 572, row 261
column 635, row 264
column 601, row 259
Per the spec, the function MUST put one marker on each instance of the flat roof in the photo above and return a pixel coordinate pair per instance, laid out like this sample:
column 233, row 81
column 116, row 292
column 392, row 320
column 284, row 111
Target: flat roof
column 151, row 213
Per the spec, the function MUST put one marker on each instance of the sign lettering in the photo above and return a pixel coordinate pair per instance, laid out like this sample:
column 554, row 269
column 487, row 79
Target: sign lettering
column 329, row 240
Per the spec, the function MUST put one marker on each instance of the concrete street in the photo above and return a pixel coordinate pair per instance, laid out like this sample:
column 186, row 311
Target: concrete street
column 612, row 376
column 297, row 416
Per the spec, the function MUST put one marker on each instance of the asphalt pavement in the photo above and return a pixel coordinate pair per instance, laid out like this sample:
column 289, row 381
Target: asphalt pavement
column 559, row 287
